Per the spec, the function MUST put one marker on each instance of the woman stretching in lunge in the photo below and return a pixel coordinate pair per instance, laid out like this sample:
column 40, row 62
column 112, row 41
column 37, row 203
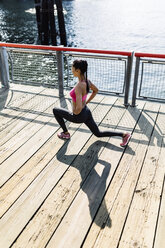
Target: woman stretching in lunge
column 81, row 113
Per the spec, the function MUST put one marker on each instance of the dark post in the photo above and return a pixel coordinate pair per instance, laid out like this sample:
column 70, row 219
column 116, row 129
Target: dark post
column 52, row 22
column 38, row 16
column 61, row 22
column 45, row 23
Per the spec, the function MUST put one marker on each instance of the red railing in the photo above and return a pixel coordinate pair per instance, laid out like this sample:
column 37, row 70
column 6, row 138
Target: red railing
column 66, row 49
column 150, row 55
column 139, row 59
column 127, row 57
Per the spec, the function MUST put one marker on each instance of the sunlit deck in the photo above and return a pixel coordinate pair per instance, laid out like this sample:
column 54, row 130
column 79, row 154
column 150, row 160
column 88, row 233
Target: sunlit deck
column 86, row 192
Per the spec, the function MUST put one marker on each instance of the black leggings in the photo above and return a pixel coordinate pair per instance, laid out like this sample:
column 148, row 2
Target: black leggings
column 85, row 116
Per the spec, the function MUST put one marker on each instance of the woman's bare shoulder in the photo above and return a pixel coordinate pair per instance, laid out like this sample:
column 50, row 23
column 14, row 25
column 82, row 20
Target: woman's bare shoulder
column 79, row 87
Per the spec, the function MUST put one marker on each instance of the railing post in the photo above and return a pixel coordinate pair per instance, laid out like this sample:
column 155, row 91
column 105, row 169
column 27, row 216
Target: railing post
column 128, row 79
column 60, row 67
column 135, row 81
column 4, row 68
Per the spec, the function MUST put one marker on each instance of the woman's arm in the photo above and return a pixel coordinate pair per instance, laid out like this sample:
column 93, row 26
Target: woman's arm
column 94, row 92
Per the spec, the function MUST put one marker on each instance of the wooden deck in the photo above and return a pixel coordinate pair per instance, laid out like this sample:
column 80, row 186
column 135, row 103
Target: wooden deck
column 86, row 192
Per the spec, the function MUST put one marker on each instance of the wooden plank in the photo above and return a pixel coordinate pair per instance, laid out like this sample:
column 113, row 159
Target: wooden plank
column 119, row 195
column 31, row 100
column 75, row 224
column 19, row 182
column 24, row 208
column 140, row 225
column 26, row 129
column 29, row 113
column 7, row 95
column 37, row 108
column 36, row 102
column 39, row 230
column 20, row 93
column 32, row 140
column 17, row 96
column 160, row 231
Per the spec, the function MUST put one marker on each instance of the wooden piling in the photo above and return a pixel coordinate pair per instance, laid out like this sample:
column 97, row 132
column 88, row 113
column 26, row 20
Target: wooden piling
column 44, row 23
column 53, row 33
column 38, row 16
column 61, row 22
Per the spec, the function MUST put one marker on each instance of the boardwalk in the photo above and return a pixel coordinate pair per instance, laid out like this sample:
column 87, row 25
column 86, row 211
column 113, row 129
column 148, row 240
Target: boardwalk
column 86, row 192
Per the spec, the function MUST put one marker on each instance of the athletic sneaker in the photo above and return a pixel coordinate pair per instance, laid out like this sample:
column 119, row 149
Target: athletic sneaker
column 63, row 135
column 126, row 139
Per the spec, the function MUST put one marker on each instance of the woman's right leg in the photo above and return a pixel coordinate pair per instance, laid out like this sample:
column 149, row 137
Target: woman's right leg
column 60, row 114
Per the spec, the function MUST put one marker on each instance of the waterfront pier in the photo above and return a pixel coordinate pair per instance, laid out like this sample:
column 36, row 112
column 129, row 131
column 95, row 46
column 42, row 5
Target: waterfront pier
column 88, row 191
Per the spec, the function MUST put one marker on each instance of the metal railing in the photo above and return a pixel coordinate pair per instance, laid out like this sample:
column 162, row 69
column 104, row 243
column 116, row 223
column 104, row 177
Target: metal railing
column 149, row 78
column 111, row 71
column 51, row 66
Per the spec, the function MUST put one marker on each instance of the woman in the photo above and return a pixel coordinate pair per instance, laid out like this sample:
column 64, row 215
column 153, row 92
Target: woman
column 81, row 113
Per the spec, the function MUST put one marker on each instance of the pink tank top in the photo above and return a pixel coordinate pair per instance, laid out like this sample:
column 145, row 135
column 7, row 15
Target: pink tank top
column 73, row 95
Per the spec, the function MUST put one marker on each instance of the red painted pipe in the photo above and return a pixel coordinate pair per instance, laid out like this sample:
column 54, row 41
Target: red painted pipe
column 150, row 55
column 66, row 49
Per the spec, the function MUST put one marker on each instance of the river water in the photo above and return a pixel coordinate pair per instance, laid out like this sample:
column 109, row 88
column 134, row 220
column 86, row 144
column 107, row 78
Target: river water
column 125, row 25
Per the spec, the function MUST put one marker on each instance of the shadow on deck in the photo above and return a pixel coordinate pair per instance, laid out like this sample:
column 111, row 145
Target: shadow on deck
column 86, row 192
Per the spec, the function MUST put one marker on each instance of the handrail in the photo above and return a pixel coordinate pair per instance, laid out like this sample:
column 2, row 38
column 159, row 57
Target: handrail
column 70, row 49
column 150, row 55
column 127, row 56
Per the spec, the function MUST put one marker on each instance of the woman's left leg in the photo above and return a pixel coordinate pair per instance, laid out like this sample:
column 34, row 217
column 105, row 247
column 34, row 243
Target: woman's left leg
column 91, row 124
